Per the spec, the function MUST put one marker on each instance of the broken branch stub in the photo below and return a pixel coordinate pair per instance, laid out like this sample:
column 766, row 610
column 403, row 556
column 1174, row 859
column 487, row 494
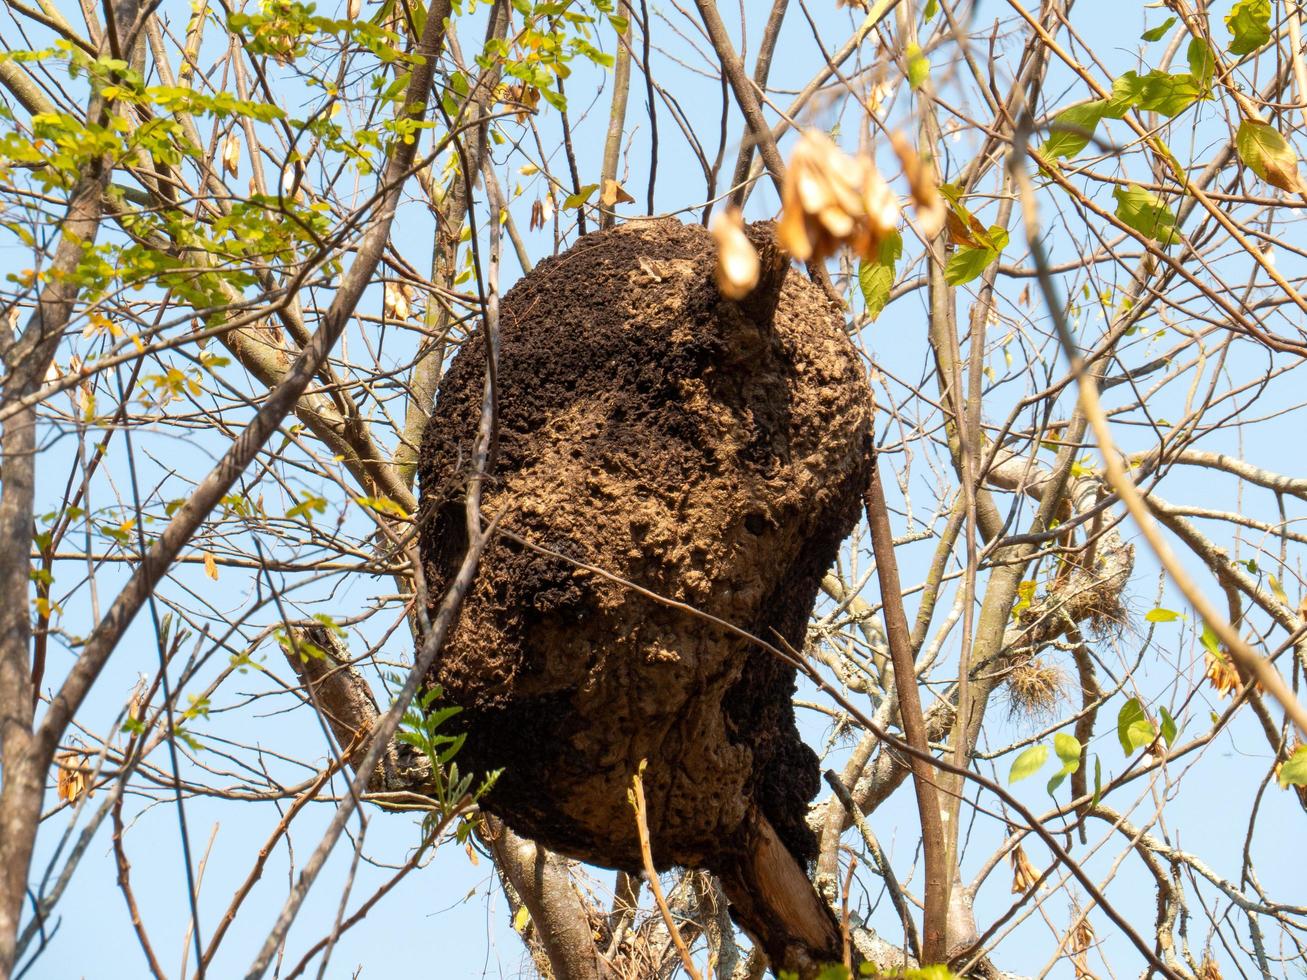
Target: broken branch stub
column 710, row 451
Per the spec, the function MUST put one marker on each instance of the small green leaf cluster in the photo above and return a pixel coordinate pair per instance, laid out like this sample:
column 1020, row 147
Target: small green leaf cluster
column 980, row 247
column 421, row 729
column 1168, row 94
column 1135, row 730
column 552, row 34
column 1030, row 761
column 285, row 30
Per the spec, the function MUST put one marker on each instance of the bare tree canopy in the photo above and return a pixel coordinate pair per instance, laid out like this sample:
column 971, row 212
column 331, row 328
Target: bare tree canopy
column 609, row 489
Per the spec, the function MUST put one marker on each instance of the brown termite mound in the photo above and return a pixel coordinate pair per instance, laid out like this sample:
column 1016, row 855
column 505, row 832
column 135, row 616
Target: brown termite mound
column 711, row 452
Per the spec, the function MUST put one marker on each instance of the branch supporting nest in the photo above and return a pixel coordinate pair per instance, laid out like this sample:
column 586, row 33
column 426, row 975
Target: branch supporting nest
column 343, row 699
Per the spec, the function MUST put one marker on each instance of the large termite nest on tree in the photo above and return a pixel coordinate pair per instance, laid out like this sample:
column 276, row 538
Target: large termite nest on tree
column 709, row 451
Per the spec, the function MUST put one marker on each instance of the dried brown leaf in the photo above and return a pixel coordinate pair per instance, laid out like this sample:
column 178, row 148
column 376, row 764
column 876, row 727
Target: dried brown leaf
column 614, row 194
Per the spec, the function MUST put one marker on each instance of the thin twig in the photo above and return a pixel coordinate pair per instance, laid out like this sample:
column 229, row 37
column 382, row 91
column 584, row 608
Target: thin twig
column 651, row 873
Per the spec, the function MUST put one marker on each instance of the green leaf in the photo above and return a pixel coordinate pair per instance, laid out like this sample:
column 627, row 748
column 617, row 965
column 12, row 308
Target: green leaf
column 1157, row 33
column 1293, row 772
column 877, row 278
column 967, row 263
column 1202, row 62
column 1249, row 24
column 1068, row 750
column 1268, row 155
column 1098, row 782
column 1072, row 129
column 1157, row 91
column 1169, row 727
column 1160, row 615
column 1028, row 763
column 1145, row 212
column 580, row 197
column 1133, row 728
column 1277, row 588
column 521, row 919
column 918, row 66
column 1210, row 641
column 932, row 8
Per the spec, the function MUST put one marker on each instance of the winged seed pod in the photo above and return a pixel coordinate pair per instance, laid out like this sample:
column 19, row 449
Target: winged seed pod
column 396, row 301
column 830, row 199
column 1082, row 940
column 925, row 190
column 1220, row 673
column 1024, row 874
column 736, row 272
column 231, row 155
column 542, row 212
column 74, row 779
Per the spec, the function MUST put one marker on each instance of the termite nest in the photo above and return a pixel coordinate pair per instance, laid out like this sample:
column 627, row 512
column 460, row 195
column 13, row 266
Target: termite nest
column 714, row 454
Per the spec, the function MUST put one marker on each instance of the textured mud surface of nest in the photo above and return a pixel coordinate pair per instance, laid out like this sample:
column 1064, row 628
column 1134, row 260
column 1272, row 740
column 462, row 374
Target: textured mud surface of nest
column 712, row 452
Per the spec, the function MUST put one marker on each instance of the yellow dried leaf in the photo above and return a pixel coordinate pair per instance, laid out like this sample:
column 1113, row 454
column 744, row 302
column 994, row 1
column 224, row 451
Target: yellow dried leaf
column 614, row 194
column 878, row 95
column 210, row 566
column 521, row 919
column 426, row 180
column 736, row 271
